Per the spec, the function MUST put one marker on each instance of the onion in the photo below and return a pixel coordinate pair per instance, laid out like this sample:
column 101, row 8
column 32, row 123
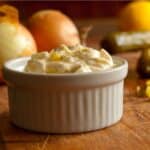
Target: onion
column 15, row 39
column 51, row 28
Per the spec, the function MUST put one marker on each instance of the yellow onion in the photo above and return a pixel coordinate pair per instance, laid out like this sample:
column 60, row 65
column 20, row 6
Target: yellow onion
column 15, row 39
column 51, row 28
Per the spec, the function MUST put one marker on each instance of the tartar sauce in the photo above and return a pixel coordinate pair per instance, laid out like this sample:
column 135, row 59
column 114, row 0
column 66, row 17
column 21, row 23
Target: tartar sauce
column 77, row 59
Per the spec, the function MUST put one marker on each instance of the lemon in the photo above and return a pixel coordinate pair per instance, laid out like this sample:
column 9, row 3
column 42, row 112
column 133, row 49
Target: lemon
column 135, row 16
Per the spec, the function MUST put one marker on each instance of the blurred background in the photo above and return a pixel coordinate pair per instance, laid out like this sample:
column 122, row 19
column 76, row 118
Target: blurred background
column 74, row 9
column 82, row 12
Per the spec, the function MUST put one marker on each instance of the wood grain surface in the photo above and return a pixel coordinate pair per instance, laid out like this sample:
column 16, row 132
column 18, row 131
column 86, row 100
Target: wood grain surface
column 132, row 132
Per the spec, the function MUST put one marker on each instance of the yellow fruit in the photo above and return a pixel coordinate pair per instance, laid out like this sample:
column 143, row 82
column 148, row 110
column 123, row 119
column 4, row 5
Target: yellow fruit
column 147, row 91
column 135, row 16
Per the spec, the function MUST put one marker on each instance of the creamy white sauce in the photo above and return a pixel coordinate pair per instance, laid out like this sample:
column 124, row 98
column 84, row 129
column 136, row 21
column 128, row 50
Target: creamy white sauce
column 76, row 59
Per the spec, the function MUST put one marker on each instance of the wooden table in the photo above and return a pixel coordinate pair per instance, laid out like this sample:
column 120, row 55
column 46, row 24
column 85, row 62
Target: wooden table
column 132, row 132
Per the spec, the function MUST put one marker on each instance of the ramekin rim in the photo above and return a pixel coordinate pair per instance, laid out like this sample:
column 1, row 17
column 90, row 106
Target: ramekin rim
column 119, row 67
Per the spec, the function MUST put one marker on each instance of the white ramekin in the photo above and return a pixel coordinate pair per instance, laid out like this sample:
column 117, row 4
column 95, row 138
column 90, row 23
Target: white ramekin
column 65, row 103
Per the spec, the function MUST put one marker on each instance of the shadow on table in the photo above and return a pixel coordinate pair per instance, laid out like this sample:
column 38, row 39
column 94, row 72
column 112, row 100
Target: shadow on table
column 2, row 141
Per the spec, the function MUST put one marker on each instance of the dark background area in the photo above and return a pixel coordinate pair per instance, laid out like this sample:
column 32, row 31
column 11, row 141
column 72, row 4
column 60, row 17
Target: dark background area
column 74, row 9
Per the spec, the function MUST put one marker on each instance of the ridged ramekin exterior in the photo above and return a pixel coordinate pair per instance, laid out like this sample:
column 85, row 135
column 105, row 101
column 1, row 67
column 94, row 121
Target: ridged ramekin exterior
column 66, row 111
column 65, row 103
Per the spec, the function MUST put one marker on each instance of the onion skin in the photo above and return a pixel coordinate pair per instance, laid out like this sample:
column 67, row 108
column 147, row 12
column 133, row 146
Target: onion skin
column 15, row 39
column 52, row 28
